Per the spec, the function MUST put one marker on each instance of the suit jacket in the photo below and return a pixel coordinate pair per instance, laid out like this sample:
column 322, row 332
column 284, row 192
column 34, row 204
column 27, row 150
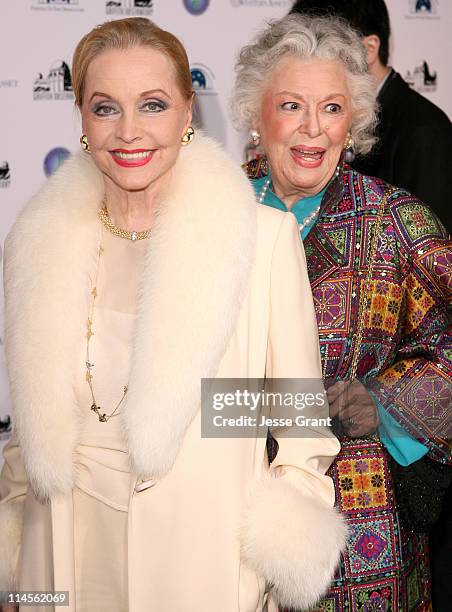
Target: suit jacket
column 415, row 147
column 225, row 294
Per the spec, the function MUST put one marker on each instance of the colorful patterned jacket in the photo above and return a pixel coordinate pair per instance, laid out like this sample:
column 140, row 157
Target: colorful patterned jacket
column 406, row 351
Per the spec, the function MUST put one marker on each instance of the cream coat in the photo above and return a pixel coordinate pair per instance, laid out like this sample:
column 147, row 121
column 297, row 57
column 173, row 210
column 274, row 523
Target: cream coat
column 225, row 293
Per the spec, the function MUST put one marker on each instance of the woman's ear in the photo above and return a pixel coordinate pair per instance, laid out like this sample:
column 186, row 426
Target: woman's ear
column 190, row 105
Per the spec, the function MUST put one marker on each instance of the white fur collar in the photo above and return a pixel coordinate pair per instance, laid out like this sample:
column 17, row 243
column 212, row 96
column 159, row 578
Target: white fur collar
column 199, row 260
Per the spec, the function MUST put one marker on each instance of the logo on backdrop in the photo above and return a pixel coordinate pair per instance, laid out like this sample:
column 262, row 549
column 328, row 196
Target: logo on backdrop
column 57, row 85
column 207, row 113
column 8, row 83
column 202, row 79
column 196, row 7
column 423, row 8
column 5, row 427
column 5, row 175
column 422, row 78
column 136, row 8
column 57, row 5
column 287, row 4
column 54, row 158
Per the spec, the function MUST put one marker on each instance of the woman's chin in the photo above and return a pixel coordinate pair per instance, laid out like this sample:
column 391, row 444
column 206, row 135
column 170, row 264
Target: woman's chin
column 134, row 185
column 310, row 180
column 131, row 181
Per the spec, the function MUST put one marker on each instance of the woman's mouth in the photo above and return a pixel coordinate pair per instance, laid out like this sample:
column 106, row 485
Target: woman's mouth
column 132, row 158
column 308, row 157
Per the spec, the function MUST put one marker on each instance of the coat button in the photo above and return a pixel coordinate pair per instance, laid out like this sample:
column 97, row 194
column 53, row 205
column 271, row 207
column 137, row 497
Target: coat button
column 143, row 485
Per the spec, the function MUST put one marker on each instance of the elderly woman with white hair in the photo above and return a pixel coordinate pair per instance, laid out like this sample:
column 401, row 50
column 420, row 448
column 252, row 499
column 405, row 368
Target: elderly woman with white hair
column 377, row 261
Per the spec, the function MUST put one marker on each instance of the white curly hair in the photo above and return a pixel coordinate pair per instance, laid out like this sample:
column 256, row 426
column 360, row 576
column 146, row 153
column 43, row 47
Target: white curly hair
column 305, row 37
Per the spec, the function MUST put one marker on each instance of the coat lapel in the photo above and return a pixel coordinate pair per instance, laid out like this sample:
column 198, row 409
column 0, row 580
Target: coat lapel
column 49, row 256
column 200, row 258
column 322, row 256
column 198, row 264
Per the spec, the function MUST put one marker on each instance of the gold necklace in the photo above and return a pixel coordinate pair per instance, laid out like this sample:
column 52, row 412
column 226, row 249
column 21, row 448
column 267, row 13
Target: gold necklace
column 117, row 231
column 103, row 417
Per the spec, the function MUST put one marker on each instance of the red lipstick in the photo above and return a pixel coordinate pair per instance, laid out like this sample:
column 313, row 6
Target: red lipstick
column 132, row 158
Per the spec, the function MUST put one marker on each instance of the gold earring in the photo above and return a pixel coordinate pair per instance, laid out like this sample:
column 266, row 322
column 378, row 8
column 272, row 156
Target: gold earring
column 84, row 143
column 349, row 154
column 188, row 136
column 349, row 142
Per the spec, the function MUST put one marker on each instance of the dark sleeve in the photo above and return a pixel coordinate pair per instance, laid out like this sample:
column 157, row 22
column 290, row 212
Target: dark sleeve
column 423, row 166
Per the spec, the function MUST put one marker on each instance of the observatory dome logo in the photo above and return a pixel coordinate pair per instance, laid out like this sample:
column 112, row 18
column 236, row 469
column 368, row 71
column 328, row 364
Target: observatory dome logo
column 196, row 7
column 57, row 85
column 54, row 158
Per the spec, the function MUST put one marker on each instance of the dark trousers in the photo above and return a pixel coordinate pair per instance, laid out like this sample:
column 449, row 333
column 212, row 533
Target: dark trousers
column 441, row 557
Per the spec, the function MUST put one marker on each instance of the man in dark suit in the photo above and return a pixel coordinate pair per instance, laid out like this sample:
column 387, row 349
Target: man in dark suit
column 414, row 150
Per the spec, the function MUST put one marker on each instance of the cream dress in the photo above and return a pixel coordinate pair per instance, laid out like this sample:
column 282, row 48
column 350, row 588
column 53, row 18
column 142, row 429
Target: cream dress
column 100, row 511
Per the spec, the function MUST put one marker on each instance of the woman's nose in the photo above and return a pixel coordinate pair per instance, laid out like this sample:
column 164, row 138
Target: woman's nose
column 128, row 127
column 311, row 124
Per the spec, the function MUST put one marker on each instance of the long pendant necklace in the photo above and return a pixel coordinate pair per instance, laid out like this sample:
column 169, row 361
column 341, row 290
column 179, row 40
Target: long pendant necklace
column 103, row 417
column 129, row 235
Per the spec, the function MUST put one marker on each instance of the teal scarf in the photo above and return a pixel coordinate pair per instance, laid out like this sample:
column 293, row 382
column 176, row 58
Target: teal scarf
column 301, row 209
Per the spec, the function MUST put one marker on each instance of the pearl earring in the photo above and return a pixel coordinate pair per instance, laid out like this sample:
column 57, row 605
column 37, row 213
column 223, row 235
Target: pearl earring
column 255, row 138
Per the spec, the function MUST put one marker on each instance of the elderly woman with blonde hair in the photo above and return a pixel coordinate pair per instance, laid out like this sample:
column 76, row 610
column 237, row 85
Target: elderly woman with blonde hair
column 143, row 267
column 379, row 266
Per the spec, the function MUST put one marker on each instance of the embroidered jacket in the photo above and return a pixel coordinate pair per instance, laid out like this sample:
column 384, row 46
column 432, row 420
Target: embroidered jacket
column 406, row 351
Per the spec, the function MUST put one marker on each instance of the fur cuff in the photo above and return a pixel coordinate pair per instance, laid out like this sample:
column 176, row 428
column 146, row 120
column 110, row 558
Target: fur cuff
column 11, row 519
column 293, row 540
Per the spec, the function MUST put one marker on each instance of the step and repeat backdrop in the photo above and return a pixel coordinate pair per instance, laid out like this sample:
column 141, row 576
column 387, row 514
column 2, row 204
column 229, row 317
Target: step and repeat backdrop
column 40, row 127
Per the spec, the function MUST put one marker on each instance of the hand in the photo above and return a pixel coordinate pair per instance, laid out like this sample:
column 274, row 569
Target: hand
column 354, row 406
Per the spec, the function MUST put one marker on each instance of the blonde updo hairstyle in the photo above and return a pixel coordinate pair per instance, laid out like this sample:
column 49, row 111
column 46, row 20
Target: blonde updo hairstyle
column 126, row 34
column 306, row 37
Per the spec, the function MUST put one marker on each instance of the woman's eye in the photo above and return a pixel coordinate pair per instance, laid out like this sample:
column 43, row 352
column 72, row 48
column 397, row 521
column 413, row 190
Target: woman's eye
column 104, row 110
column 333, row 108
column 292, row 106
column 154, row 106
